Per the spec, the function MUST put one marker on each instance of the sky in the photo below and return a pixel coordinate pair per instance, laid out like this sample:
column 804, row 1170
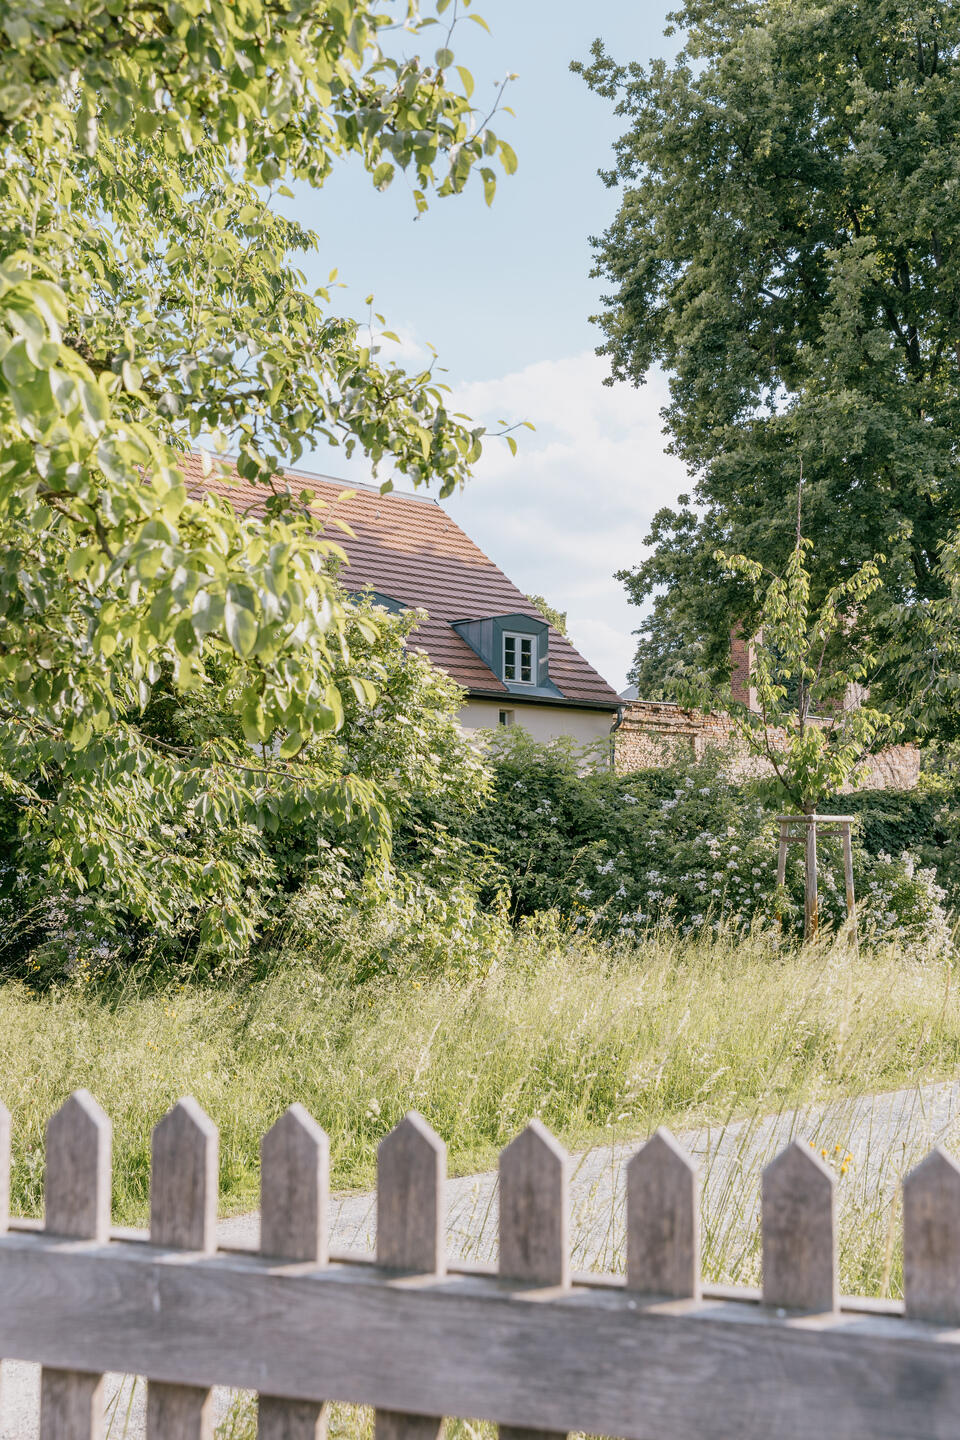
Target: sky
column 504, row 295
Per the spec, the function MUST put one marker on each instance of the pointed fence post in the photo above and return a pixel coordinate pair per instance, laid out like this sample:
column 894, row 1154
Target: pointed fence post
column 294, row 1186
column 534, row 1223
column 5, row 1129
column 798, row 1199
column 77, row 1206
column 183, row 1216
column 931, row 1239
column 663, row 1220
column 411, row 1219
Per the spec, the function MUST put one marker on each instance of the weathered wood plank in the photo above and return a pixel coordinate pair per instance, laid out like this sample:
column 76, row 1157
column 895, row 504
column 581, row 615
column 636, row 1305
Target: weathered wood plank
column 76, row 1195
column 294, row 1185
column 183, row 1216
column 71, row 1405
column 535, row 1208
column 411, row 1213
column 534, row 1224
column 663, row 1220
column 4, row 1189
column 5, row 1134
column 596, row 1359
column 179, row 1412
column 290, row 1419
column 411, row 1203
column 183, row 1179
column 931, row 1239
column 76, row 1203
column 799, row 1231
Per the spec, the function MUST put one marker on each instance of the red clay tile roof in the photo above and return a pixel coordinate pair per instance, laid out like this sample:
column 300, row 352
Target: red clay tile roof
column 409, row 549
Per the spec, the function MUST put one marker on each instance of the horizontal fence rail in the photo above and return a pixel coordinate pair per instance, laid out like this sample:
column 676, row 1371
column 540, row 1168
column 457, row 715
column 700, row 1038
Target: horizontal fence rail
column 652, row 1355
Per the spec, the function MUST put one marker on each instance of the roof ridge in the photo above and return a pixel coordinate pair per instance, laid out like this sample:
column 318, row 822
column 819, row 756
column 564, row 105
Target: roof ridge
column 335, row 480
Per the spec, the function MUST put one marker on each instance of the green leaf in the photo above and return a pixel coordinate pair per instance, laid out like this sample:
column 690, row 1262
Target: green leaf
column 292, row 745
column 239, row 623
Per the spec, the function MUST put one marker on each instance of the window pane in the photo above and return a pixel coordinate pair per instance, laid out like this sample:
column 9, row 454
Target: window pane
column 526, row 661
column 509, row 658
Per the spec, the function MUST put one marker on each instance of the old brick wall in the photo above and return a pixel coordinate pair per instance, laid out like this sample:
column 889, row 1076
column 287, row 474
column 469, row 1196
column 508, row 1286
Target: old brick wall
column 654, row 732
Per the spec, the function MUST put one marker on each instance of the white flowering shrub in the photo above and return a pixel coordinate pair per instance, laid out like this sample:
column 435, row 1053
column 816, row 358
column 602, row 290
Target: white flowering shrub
column 679, row 847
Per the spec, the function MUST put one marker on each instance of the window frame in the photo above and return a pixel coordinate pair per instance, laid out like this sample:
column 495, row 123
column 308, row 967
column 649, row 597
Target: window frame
column 519, row 637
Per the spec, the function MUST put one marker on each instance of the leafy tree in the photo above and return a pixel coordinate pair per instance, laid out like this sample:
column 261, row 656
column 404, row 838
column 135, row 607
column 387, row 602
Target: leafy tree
column 557, row 618
column 225, row 872
column 787, row 247
column 813, row 723
column 149, row 296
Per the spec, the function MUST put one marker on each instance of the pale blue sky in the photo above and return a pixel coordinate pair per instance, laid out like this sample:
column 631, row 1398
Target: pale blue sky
column 504, row 295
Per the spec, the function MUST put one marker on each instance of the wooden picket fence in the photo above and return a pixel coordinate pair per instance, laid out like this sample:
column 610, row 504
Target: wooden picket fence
column 652, row 1355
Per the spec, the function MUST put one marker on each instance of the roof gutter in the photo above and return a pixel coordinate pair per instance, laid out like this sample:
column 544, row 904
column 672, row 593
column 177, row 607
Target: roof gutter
column 560, row 702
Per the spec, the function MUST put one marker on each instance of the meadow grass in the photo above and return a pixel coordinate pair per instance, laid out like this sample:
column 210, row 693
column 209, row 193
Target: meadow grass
column 595, row 1040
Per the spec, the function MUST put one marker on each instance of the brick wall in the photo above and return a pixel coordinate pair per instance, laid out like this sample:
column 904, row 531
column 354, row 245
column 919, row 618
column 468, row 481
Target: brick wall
column 654, row 732
column 741, row 667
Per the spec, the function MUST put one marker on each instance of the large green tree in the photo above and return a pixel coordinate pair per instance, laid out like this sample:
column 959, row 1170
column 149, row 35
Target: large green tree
column 787, row 248
column 150, row 296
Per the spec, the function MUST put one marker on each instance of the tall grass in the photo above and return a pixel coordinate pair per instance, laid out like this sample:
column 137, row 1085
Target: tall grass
column 597, row 1042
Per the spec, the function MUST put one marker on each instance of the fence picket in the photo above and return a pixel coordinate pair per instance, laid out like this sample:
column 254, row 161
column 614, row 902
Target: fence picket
column 663, row 1220
column 294, row 1185
column 931, row 1239
column 531, row 1347
column 183, row 1216
column 5, row 1128
column 798, row 1225
column 411, row 1214
column 76, row 1205
column 534, row 1223
column 4, row 1189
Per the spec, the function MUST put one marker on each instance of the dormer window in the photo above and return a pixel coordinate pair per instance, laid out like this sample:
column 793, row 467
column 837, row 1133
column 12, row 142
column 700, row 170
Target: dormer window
column 518, row 658
column 515, row 648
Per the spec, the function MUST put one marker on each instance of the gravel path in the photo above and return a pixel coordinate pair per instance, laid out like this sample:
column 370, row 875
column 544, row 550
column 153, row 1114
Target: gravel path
column 885, row 1135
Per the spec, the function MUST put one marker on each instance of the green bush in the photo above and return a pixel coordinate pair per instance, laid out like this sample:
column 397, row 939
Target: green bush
column 925, row 822
column 679, row 846
column 406, row 748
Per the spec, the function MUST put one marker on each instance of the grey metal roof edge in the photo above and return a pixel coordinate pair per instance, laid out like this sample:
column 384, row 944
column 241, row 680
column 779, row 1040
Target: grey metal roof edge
column 562, row 702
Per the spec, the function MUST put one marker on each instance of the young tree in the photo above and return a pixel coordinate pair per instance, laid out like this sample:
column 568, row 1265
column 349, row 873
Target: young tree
column 149, row 296
column 787, row 247
column 812, row 721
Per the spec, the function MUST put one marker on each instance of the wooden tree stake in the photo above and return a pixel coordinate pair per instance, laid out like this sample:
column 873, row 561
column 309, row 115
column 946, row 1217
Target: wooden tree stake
column 411, row 1218
column 294, row 1185
column 798, row 1225
column 183, row 1216
column 811, row 913
column 663, row 1220
column 76, row 1205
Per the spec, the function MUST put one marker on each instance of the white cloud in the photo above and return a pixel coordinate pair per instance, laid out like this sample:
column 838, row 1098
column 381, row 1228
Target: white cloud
column 574, row 505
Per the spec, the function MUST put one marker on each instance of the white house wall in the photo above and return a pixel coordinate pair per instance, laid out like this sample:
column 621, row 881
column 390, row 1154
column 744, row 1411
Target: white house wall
column 542, row 722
